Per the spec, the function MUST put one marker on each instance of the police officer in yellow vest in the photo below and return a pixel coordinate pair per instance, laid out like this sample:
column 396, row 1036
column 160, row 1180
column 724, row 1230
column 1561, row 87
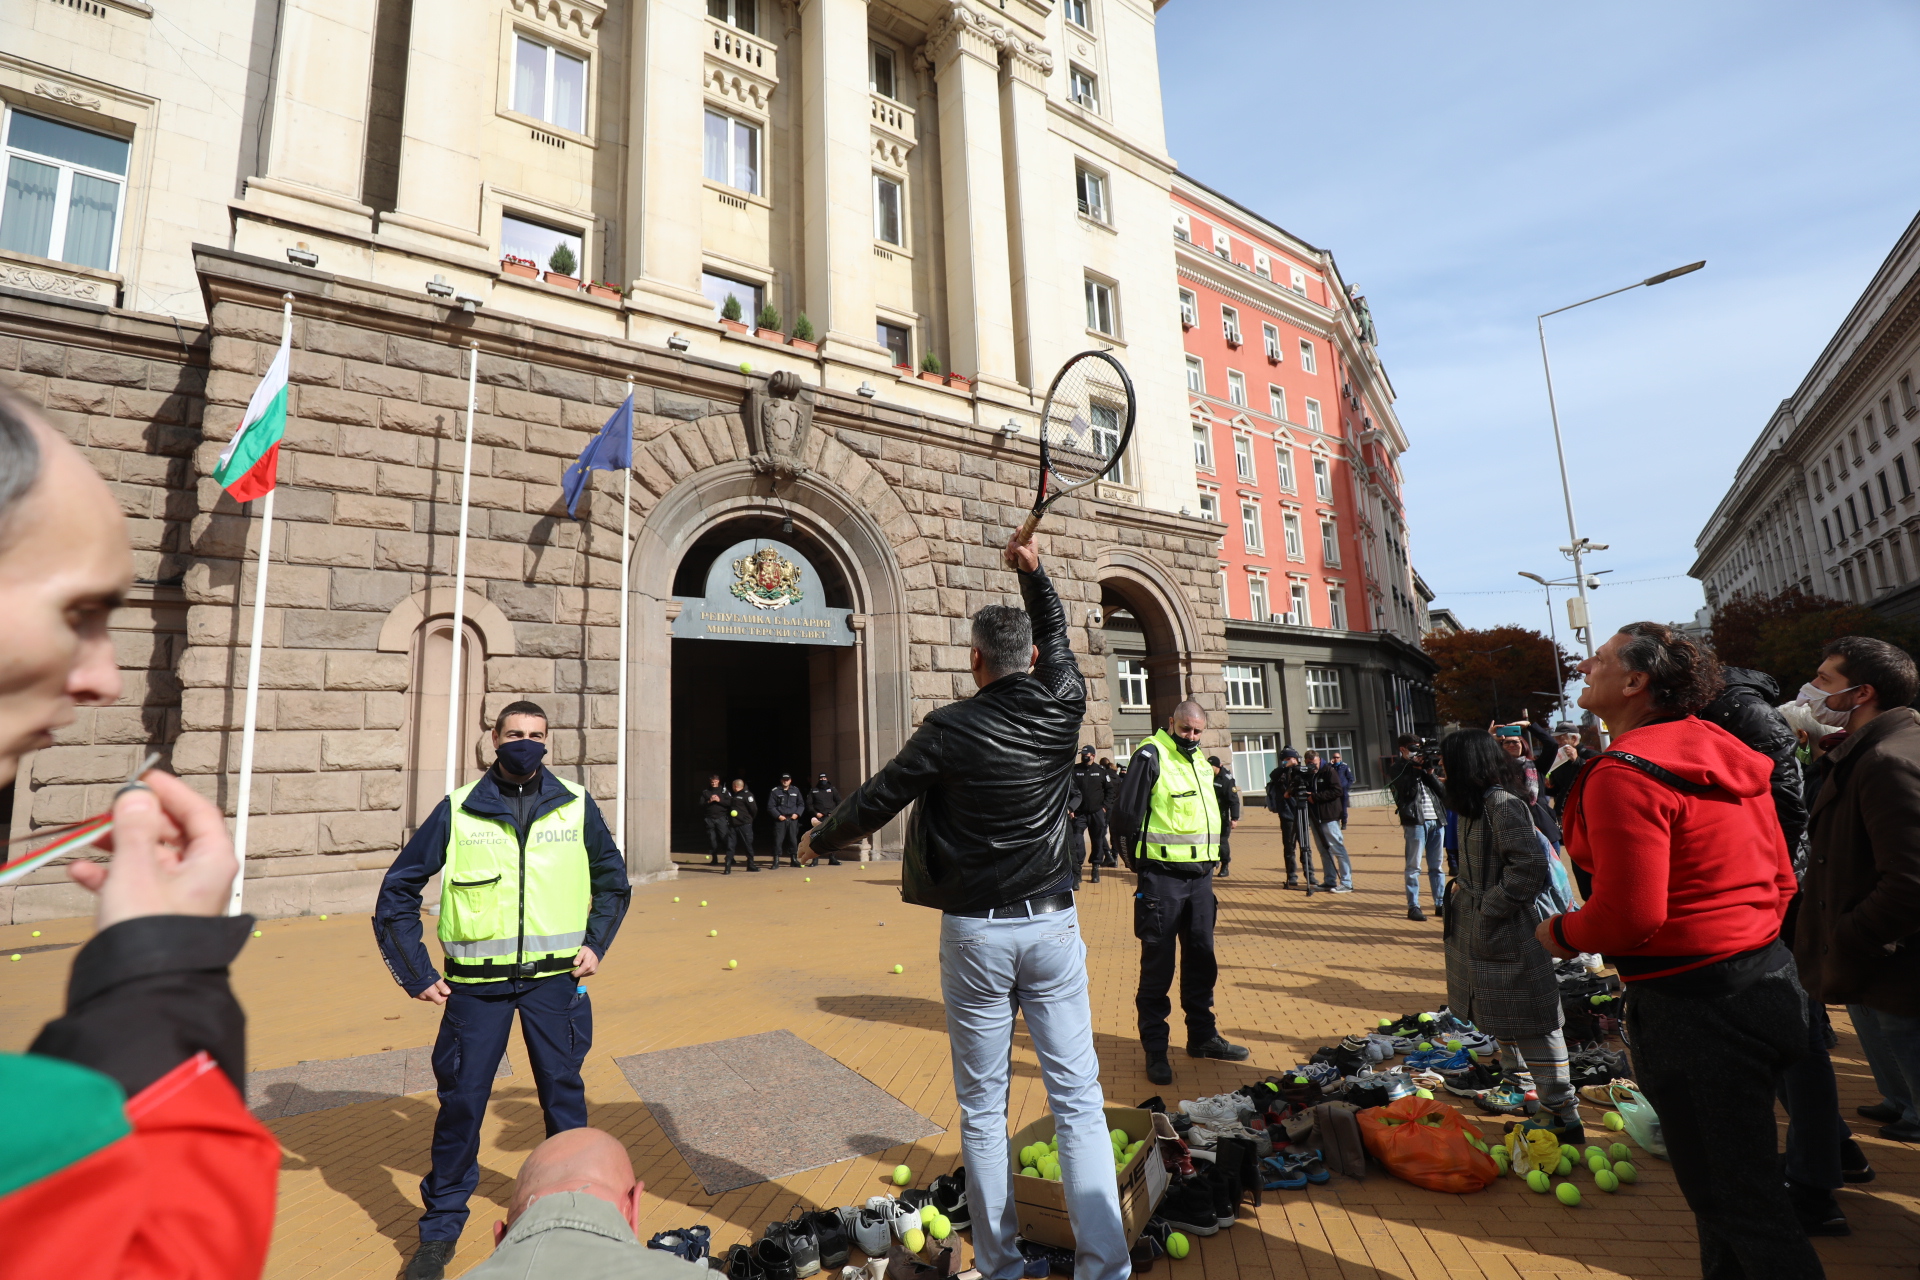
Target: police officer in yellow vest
column 1166, row 819
column 532, row 891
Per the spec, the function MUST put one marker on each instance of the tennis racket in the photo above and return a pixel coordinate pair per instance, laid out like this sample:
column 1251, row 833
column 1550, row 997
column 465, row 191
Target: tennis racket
column 1084, row 428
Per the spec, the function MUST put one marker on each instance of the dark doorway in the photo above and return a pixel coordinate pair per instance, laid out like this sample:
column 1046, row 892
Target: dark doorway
column 741, row 710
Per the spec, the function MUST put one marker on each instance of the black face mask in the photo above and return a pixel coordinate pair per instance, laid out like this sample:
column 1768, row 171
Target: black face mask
column 1186, row 748
column 521, row 756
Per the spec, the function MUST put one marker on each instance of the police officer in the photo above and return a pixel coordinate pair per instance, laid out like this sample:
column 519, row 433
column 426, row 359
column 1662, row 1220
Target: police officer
column 1227, row 793
column 821, row 801
column 1289, row 792
column 533, row 890
column 1089, row 796
column 1167, row 819
column 788, row 808
column 713, row 809
column 741, row 810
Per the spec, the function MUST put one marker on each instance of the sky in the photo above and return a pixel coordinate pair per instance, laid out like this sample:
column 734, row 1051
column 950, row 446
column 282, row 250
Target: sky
column 1473, row 166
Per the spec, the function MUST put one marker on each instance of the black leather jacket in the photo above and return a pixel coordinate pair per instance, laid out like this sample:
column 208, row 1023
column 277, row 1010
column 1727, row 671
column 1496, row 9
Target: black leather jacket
column 991, row 776
column 1747, row 710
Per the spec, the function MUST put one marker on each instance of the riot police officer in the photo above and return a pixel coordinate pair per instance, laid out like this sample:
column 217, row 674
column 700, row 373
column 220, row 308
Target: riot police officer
column 788, row 808
column 713, row 810
column 821, row 801
column 1091, row 791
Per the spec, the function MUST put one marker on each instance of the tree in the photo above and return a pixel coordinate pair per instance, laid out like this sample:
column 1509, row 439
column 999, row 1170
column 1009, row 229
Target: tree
column 1496, row 673
column 1782, row 635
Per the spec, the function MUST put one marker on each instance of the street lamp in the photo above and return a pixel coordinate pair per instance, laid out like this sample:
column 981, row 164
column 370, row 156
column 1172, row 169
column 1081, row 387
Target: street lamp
column 1579, row 619
column 1559, row 677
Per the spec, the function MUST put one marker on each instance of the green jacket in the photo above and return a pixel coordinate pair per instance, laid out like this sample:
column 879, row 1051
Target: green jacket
column 580, row 1237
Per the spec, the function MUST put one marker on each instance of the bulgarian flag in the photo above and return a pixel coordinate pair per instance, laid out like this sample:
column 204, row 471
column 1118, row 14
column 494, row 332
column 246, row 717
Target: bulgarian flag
column 248, row 466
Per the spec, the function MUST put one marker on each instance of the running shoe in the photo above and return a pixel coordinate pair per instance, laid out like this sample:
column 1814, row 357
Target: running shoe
column 1596, row 1067
column 1222, row 1108
column 869, row 1228
column 1471, row 1081
column 1431, row 1081
column 950, row 1197
column 1507, row 1099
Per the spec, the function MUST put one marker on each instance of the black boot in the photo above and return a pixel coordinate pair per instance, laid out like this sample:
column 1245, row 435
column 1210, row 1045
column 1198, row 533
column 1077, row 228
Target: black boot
column 1159, row 1070
column 430, row 1260
column 1818, row 1211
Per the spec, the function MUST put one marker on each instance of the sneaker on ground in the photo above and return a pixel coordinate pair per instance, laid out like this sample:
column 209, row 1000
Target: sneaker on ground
column 1507, row 1099
column 870, row 1228
column 1221, row 1107
column 950, row 1197
column 1188, row 1207
column 1415, row 913
column 1471, row 1081
column 1219, row 1047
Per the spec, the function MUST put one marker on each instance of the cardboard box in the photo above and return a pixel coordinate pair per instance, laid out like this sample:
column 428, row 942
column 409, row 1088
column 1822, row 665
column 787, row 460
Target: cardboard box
column 1041, row 1205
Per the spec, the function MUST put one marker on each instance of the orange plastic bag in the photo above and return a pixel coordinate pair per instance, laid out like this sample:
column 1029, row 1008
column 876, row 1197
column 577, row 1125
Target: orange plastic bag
column 1425, row 1142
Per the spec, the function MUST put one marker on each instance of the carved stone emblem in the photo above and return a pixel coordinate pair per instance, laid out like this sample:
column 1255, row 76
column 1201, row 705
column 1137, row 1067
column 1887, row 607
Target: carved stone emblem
column 779, row 421
column 766, row 580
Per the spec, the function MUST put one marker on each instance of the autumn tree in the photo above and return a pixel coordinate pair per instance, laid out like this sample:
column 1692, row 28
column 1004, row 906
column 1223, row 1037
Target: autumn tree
column 1496, row 673
column 1782, row 635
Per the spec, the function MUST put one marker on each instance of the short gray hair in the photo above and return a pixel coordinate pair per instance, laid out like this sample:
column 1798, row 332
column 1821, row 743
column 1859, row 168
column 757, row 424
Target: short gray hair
column 1004, row 637
column 1189, row 709
column 20, row 454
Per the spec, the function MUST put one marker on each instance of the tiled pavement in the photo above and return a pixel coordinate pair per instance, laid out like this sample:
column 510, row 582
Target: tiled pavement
column 815, row 959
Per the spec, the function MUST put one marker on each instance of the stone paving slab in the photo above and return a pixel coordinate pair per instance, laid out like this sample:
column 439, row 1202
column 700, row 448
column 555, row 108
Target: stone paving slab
column 323, row 1084
column 754, row 1108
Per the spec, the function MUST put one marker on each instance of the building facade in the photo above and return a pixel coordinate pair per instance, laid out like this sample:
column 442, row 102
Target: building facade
column 1296, row 450
column 553, row 204
column 1825, row 499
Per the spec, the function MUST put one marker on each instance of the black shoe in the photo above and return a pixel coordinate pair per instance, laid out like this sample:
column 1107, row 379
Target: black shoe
column 774, row 1261
column 742, row 1265
column 1880, row 1113
column 1439, row 911
column 1159, row 1070
column 1188, row 1207
column 1218, row 1047
column 1818, row 1212
column 1221, row 873
column 1224, row 1184
column 833, row 862
column 430, row 1260
column 831, row 1234
column 1240, row 1157
column 1292, row 884
column 1900, row 1132
column 950, row 1198
column 1853, row 1162
column 1415, row 913
column 727, row 872
column 751, row 867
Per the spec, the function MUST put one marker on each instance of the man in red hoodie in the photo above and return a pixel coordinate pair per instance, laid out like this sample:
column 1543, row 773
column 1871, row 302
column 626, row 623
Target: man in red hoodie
column 1691, row 879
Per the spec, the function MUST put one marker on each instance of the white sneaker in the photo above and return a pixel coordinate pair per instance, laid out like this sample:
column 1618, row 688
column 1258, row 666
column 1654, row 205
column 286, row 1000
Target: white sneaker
column 1222, row 1108
column 903, row 1218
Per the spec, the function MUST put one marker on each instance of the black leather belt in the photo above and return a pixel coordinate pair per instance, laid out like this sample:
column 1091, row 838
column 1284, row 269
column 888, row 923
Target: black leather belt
column 1022, row 910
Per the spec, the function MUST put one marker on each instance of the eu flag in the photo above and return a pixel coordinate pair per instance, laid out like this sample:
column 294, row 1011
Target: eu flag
column 611, row 450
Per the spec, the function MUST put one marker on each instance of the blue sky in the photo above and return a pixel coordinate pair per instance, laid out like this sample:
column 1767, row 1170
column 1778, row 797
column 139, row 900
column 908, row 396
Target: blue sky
column 1473, row 167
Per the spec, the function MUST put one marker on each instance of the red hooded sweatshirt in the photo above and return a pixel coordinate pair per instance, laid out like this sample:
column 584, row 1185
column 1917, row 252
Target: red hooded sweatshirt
column 1679, row 881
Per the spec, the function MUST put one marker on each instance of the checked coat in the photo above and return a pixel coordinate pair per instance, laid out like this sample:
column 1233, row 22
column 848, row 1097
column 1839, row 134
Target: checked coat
column 1499, row 977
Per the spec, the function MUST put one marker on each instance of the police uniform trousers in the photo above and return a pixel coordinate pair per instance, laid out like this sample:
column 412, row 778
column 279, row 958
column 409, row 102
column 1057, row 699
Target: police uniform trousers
column 1095, row 825
column 1170, row 910
column 739, row 840
column 556, row 1026
column 786, row 839
column 716, row 837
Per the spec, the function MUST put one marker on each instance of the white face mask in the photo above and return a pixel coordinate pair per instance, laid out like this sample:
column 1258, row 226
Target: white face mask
column 1815, row 700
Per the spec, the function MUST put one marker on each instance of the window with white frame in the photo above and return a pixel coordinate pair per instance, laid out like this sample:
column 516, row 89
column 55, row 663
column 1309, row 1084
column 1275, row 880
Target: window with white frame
column 1246, row 684
column 883, row 75
column 1307, row 362
column 888, row 225
column 1329, row 742
column 732, row 152
column 1297, row 612
column 1226, row 605
column 1329, row 542
column 1076, row 13
column 65, row 191
column 1209, row 504
column 1196, row 375
column 1262, row 264
column 1322, row 480
column 1202, row 447
column 1297, row 280
column 897, row 340
column 1253, row 760
column 1290, row 528
column 1100, row 308
column 1272, row 337
column 1313, row 413
column 1337, row 608
column 1237, row 387
column 1257, row 599
column 1189, row 308
column 535, row 242
column 1323, row 689
column 1083, row 88
column 1283, row 460
column 1277, row 401
column 735, row 13
column 1222, row 244
column 1105, row 438
column 1182, row 226
column 1132, row 678
column 1091, row 190
column 1250, row 525
column 549, row 85
column 1230, row 325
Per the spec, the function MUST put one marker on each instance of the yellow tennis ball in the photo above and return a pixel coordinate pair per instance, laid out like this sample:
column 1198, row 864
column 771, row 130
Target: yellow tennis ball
column 899, row 968
column 713, row 933
column 1028, row 1171
column 1567, row 1194
column 928, row 1213
column 1537, row 1181
column 809, row 878
column 323, row 916
column 1423, row 1093
column 676, row 897
column 36, row 933
column 1566, row 1166
column 915, row 1240
column 1607, row 1180
column 1619, row 1151
column 1451, row 1044
column 733, row 964
column 1625, row 1171
column 902, row 1175
column 941, row 1227
column 256, row 933
column 1425, row 1045
column 1612, row 1122
column 16, row 955
column 1177, row 1246
column 703, row 902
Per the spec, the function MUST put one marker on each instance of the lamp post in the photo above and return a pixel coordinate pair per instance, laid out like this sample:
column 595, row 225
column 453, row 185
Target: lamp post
column 1579, row 545
column 1553, row 636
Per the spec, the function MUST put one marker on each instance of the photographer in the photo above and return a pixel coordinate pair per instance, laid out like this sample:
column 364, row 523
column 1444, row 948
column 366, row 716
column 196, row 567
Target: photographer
column 1289, row 792
column 1563, row 766
column 1417, row 799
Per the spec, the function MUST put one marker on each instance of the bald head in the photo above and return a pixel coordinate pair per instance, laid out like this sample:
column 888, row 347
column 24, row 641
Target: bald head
column 586, row 1160
column 1187, row 722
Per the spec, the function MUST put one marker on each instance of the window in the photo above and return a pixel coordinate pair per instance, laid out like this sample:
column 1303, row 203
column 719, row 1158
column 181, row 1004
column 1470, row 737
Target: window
column 1237, row 387
column 1091, row 188
column 1246, row 685
column 1189, row 309
column 1307, row 362
column 1226, row 605
column 1323, row 689
column 1230, row 325
column 1209, row 505
column 1262, row 264
column 733, row 152
column 1828, row 465
column 1854, row 512
column 1341, row 742
column 1906, row 486
column 1283, row 460
column 1322, row 480
column 1826, row 533
column 1196, row 375
column 1253, row 760
column 882, row 74
column 1906, row 393
column 550, row 85
column 886, row 210
column 1106, row 437
column 1222, row 244
column 1202, row 448
column 1329, row 542
column 1250, row 525
column 1182, row 226
column 1337, row 608
column 1083, row 88
column 719, row 288
column 735, row 13
column 1272, row 336
column 1300, row 615
column 536, row 241
column 1133, row 683
column 1290, row 527
column 1277, row 401
column 1257, row 599
column 897, row 342
column 1100, row 307
column 1313, row 413
column 1866, row 500
column 64, row 192
column 1076, row 13
column 1297, row 280
column 1243, row 457
column 1886, row 494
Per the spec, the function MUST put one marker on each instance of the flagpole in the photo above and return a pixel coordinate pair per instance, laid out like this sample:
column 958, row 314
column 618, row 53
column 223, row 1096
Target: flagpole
column 460, row 583
column 252, row 717
column 620, row 713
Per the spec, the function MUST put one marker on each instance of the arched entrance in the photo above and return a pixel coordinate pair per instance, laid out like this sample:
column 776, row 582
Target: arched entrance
column 1152, row 643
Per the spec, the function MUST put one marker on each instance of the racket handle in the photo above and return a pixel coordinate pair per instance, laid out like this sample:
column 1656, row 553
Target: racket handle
column 1031, row 523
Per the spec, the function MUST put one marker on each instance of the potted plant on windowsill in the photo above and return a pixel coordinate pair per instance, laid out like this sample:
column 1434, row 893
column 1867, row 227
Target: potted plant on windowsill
column 604, row 289
column 730, row 315
column 804, row 338
column 525, row 268
column 930, row 368
column 767, row 326
column 561, row 265
column 960, row 382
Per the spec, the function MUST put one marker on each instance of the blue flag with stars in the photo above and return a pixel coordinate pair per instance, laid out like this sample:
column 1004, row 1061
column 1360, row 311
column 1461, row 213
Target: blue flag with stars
column 611, row 450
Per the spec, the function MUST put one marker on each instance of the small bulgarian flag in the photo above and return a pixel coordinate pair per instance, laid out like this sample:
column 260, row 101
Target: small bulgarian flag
column 248, row 467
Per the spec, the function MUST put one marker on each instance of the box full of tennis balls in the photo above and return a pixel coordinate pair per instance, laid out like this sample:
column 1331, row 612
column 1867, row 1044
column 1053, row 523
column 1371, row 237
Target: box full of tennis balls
column 1041, row 1202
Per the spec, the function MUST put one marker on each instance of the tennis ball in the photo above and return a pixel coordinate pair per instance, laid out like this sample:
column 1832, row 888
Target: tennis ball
column 928, row 1213
column 1591, row 1152
column 1537, row 1181
column 1453, row 1044
column 16, row 955
column 676, row 899
column 1606, row 1180
column 713, row 933
column 1054, row 1142
column 1567, row 1194
column 1386, row 1022
column 1566, row 1166
column 915, row 1240
column 1119, row 1136
column 1028, row 1171
column 941, row 1227
column 1299, row 1079
column 36, row 933
column 1500, row 1158
column 323, row 916
column 747, row 368
column 1423, row 1093
column 899, row 968
column 733, row 964
column 256, row 933
column 703, row 902
column 1619, row 1151
column 1597, row 1163
column 1625, row 1171
column 902, row 1175
column 1177, row 1246
column 1612, row 1122
column 1426, row 1017
column 1426, row 1045
column 809, row 878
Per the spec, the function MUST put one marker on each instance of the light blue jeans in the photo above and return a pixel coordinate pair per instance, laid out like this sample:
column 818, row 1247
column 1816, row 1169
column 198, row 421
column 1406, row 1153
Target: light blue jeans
column 1422, row 837
column 1333, row 847
column 990, row 970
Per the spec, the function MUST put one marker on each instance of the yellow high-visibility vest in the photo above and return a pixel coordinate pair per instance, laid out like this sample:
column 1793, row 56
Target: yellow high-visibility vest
column 1183, row 817
column 501, row 911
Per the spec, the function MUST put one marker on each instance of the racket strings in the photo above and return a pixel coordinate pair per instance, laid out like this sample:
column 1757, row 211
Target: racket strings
column 1082, row 422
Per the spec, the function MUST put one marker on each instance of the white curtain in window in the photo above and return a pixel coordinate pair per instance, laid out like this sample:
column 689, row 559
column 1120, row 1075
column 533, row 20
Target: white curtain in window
column 90, row 213
column 27, row 221
column 530, row 79
column 569, row 93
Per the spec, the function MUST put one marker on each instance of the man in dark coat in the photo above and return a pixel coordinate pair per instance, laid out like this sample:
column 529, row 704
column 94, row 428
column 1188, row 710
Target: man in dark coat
column 1345, row 770
column 1289, row 792
column 1087, row 806
column 821, row 801
column 741, row 811
column 713, row 811
column 788, row 808
column 1747, row 710
column 1227, row 793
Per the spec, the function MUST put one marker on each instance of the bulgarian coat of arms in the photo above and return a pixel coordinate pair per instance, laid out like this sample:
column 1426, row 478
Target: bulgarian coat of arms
column 766, row 580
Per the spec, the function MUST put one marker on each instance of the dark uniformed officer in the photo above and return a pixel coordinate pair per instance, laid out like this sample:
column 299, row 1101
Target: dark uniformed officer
column 1227, row 793
column 789, row 809
column 533, row 890
column 821, row 801
column 1092, row 788
column 713, row 810
column 741, row 810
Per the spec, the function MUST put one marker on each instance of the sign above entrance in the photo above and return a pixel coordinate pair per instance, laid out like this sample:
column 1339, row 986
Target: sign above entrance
column 765, row 591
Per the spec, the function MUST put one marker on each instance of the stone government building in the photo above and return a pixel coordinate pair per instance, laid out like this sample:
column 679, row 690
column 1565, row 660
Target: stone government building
column 922, row 195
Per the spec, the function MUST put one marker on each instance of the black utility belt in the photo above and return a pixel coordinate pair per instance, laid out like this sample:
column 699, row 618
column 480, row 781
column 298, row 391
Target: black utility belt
column 500, row 970
column 1022, row 910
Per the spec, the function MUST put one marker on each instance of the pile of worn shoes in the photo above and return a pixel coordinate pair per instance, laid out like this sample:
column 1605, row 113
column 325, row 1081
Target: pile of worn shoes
column 891, row 1232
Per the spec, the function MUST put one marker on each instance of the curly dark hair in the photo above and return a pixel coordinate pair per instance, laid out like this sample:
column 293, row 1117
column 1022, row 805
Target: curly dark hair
column 1681, row 676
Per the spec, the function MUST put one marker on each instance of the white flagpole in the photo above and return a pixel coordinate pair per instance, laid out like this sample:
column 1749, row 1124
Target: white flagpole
column 251, row 720
column 460, row 584
column 620, row 713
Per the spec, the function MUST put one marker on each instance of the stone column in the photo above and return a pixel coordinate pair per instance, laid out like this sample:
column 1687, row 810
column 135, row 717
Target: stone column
column 1034, row 194
column 964, row 50
column 452, row 59
column 664, row 171
column 836, row 131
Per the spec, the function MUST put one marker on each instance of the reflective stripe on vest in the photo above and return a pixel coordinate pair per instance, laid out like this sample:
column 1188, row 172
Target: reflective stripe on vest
column 1183, row 815
column 487, row 922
